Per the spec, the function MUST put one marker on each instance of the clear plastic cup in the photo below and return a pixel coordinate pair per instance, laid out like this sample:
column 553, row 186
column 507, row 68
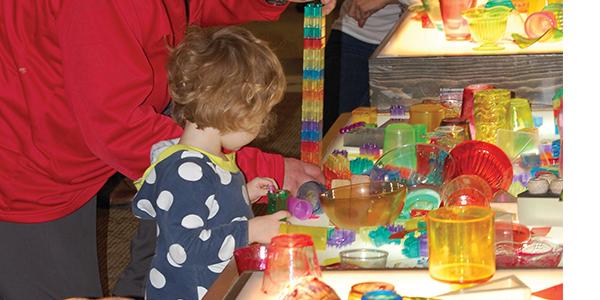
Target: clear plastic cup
column 398, row 134
column 467, row 190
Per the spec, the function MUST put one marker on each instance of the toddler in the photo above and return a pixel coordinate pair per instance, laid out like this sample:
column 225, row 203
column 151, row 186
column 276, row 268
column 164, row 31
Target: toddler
column 224, row 84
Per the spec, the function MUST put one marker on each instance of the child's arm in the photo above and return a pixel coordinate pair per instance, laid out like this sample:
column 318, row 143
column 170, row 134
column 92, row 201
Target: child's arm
column 259, row 187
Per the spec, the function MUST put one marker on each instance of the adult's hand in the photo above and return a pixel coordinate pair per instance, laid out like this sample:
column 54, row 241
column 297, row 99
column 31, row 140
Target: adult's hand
column 298, row 172
column 328, row 5
column 361, row 10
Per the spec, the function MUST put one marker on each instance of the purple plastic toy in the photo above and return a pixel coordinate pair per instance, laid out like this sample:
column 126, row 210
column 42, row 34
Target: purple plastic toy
column 299, row 208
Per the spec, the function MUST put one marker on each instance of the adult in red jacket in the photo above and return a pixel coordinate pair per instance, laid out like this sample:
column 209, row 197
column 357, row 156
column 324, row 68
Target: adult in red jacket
column 83, row 84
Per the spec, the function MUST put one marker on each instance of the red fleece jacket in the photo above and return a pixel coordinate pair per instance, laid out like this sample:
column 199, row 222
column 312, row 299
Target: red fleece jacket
column 82, row 87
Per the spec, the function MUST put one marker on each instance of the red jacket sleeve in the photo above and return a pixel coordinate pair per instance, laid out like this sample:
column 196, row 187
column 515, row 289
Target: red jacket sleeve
column 116, row 88
column 255, row 163
column 229, row 12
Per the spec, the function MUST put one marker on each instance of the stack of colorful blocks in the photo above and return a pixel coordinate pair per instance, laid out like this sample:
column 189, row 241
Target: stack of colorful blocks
column 312, row 84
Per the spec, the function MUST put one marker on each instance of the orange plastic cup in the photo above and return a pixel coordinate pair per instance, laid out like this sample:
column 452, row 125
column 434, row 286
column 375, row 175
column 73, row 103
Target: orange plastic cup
column 461, row 244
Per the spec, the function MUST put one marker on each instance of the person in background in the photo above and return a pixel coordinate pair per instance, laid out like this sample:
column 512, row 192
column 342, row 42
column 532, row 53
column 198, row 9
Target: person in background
column 224, row 85
column 360, row 28
column 83, row 87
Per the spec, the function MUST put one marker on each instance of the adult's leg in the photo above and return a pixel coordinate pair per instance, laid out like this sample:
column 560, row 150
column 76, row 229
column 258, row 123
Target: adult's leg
column 331, row 87
column 354, row 73
column 50, row 260
column 132, row 281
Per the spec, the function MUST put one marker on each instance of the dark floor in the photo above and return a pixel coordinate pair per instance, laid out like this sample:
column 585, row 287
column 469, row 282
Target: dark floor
column 116, row 225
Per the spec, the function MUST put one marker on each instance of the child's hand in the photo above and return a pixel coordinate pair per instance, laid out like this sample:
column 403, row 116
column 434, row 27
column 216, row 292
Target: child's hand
column 262, row 229
column 259, row 187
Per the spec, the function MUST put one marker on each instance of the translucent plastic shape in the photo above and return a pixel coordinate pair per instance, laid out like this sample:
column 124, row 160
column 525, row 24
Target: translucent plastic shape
column 520, row 116
column 422, row 199
column 363, row 259
column 484, row 160
column 467, row 104
column 398, row 134
column 359, row 289
column 364, row 204
column 467, row 190
column 461, row 244
column 290, row 258
column 430, row 114
column 490, row 108
column 488, row 26
column 414, row 164
column 455, row 26
column 251, row 258
column 539, row 23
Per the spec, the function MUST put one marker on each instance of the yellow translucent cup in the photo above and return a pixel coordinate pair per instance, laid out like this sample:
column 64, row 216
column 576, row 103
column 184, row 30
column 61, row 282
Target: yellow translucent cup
column 490, row 110
column 430, row 114
column 520, row 116
column 461, row 244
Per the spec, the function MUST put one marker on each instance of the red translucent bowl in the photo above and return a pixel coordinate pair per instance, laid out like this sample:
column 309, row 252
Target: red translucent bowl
column 519, row 232
column 484, row 160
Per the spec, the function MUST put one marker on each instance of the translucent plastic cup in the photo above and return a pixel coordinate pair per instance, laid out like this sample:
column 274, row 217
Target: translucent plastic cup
column 430, row 114
column 455, row 26
column 363, row 259
column 461, row 244
column 251, row 258
column 398, row 134
column 449, row 136
column 490, row 108
column 359, row 289
column 467, row 190
column 467, row 104
column 520, row 116
column 290, row 258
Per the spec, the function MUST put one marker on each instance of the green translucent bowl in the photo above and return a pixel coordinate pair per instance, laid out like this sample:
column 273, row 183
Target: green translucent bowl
column 487, row 25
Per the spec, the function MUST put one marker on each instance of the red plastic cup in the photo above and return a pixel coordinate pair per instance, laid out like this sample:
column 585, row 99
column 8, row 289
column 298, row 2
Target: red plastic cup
column 290, row 258
column 467, row 104
column 455, row 26
column 251, row 258
column 467, row 190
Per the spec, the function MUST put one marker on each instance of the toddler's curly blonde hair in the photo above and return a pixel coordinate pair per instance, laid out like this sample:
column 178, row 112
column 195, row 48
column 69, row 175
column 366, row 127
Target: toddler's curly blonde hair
column 225, row 79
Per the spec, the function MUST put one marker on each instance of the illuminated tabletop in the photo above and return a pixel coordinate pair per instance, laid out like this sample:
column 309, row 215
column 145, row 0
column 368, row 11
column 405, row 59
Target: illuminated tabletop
column 409, row 39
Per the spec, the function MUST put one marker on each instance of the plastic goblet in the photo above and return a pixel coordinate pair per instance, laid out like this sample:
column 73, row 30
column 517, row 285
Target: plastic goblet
column 487, row 25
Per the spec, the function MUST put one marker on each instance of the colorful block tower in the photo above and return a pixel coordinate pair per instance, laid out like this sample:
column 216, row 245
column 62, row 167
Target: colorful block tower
column 312, row 84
